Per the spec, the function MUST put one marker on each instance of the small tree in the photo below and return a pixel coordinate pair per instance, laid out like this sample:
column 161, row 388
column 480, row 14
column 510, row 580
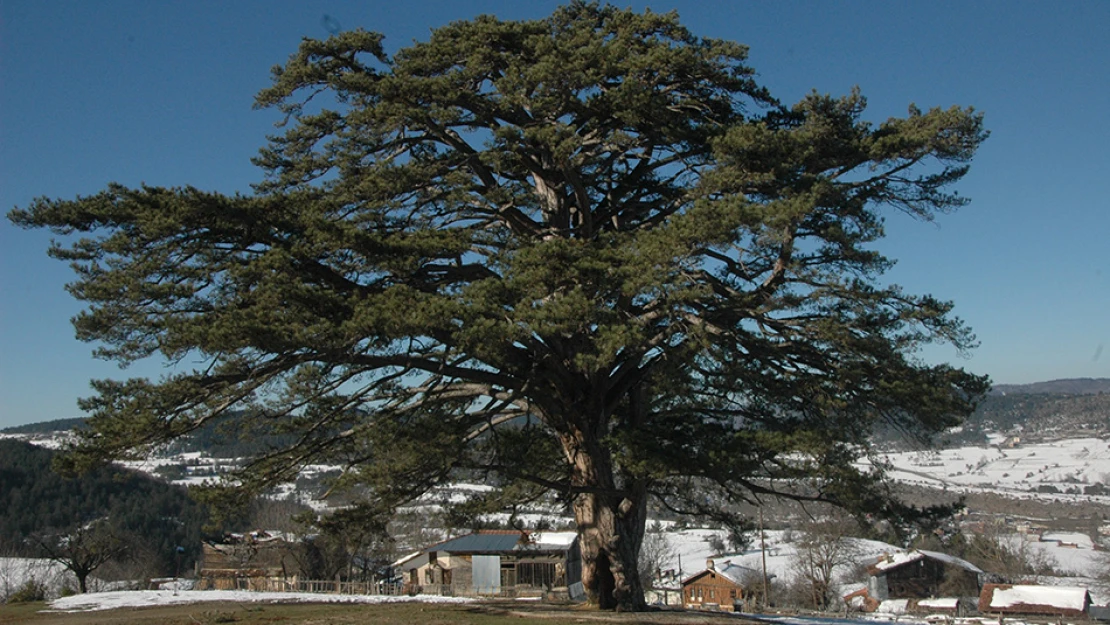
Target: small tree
column 84, row 549
column 823, row 551
column 656, row 554
column 1004, row 552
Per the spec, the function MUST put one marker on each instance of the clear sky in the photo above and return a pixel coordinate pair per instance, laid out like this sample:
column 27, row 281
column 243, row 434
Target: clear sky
column 161, row 93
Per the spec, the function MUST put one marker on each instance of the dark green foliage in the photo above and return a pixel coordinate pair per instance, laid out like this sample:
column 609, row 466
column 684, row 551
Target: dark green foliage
column 35, row 500
column 586, row 254
column 31, row 590
column 45, row 427
column 1057, row 411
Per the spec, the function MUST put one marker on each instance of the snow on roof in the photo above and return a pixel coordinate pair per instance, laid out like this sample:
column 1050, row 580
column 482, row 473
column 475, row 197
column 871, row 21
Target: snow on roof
column 732, row 572
column 735, row 572
column 403, row 560
column 949, row 603
column 893, row 606
column 895, row 560
column 949, row 559
column 553, row 540
column 1062, row 597
column 504, row 541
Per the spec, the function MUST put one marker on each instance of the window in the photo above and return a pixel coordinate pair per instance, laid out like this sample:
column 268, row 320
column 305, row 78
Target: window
column 536, row 574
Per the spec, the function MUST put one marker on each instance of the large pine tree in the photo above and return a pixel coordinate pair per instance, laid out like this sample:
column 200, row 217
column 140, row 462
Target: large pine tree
column 586, row 254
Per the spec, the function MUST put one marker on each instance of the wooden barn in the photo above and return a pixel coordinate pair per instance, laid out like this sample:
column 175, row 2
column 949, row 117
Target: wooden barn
column 498, row 562
column 920, row 574
column 246, row 561
column 717, row 588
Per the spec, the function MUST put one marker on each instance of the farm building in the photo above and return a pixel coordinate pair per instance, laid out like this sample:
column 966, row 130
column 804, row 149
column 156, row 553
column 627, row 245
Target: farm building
column 246, row 561
column 498, row 562
column 920, row 574
column 1058, row 601
column 717, row 588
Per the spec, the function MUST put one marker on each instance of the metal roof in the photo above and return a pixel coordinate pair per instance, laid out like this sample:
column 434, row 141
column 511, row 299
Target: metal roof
column 503, row 542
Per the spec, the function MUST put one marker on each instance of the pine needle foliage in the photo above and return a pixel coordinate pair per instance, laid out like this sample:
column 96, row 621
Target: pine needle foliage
column 586, row 254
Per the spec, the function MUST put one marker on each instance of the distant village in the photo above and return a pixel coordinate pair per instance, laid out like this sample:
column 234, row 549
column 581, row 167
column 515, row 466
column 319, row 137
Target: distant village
column 918, row 584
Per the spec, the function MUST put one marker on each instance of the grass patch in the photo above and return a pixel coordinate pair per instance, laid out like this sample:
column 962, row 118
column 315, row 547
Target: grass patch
column 352, row 614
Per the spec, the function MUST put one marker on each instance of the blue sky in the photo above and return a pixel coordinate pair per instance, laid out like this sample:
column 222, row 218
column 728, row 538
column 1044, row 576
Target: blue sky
column 161, row 93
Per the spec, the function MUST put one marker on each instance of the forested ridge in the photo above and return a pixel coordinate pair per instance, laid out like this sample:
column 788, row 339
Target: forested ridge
column 221, row 437
column 1061, row 408
column 36, row 501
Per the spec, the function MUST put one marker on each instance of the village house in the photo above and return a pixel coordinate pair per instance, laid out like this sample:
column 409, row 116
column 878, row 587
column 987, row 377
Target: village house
column 920, row 574
column 717, row 588
column 498, row 562
column 919, row 577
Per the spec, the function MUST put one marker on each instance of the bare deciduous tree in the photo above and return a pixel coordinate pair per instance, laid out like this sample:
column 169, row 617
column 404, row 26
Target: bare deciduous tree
column 656, row 553
column 824, row 551
column 83, row 549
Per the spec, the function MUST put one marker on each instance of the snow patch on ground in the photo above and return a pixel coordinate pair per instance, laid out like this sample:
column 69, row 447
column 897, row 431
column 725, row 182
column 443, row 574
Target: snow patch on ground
column 147, row 598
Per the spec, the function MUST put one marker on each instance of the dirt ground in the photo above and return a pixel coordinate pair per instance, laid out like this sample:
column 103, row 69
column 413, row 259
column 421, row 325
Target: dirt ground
column 348, row 614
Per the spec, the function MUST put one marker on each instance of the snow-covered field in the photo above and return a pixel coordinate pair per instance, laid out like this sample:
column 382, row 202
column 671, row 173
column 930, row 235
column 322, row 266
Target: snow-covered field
column 146, row 598
column 692, row 550
column 1011, row 467
column 1072, row 555
column 1018, row 471
column 15, row 572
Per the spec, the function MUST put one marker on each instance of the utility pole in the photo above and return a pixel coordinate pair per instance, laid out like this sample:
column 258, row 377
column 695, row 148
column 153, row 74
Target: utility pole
column 763, row 553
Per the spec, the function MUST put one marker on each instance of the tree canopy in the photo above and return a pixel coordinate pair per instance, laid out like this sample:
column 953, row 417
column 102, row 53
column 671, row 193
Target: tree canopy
column 586, row 254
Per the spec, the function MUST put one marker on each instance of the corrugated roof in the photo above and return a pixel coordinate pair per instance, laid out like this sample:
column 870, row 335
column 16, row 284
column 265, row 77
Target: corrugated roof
column 479, row 543
column 893, row 561
column 505, row 541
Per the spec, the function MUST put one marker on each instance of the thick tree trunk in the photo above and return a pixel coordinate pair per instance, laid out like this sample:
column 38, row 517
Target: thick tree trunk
column 610, row 532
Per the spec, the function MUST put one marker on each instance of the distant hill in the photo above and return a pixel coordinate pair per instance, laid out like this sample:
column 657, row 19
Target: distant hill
column 1058, row 408
column 1072, row 386
column 35, row 499
column 1051, row 415
column 223, row 437
column 45, row 427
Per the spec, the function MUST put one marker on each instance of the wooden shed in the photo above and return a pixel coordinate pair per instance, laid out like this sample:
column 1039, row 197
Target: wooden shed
column 920, row 574
column 1003, row 599
column 246, row 561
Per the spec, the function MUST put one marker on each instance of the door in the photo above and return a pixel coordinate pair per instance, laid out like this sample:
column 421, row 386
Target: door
column 487, row 574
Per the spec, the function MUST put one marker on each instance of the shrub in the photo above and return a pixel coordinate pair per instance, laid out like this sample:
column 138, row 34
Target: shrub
column 31, row 590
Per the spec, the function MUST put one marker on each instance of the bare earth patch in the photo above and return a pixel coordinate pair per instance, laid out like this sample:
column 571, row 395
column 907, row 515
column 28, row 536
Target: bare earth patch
column 492, row 613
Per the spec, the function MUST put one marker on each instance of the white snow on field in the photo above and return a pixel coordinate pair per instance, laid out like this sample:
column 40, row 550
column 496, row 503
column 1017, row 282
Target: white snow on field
column 1074, row 540
column 48, row 440
column 692, row 551
column 1019, row 471
column 15, row 572
column 146, row 598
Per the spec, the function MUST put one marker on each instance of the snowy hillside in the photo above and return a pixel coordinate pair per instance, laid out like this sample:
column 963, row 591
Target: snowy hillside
column 1077, row 468
column 1073, row 556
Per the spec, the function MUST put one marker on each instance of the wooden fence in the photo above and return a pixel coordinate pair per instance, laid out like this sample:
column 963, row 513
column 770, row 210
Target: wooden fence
column 277, row 584
column 336, row 587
